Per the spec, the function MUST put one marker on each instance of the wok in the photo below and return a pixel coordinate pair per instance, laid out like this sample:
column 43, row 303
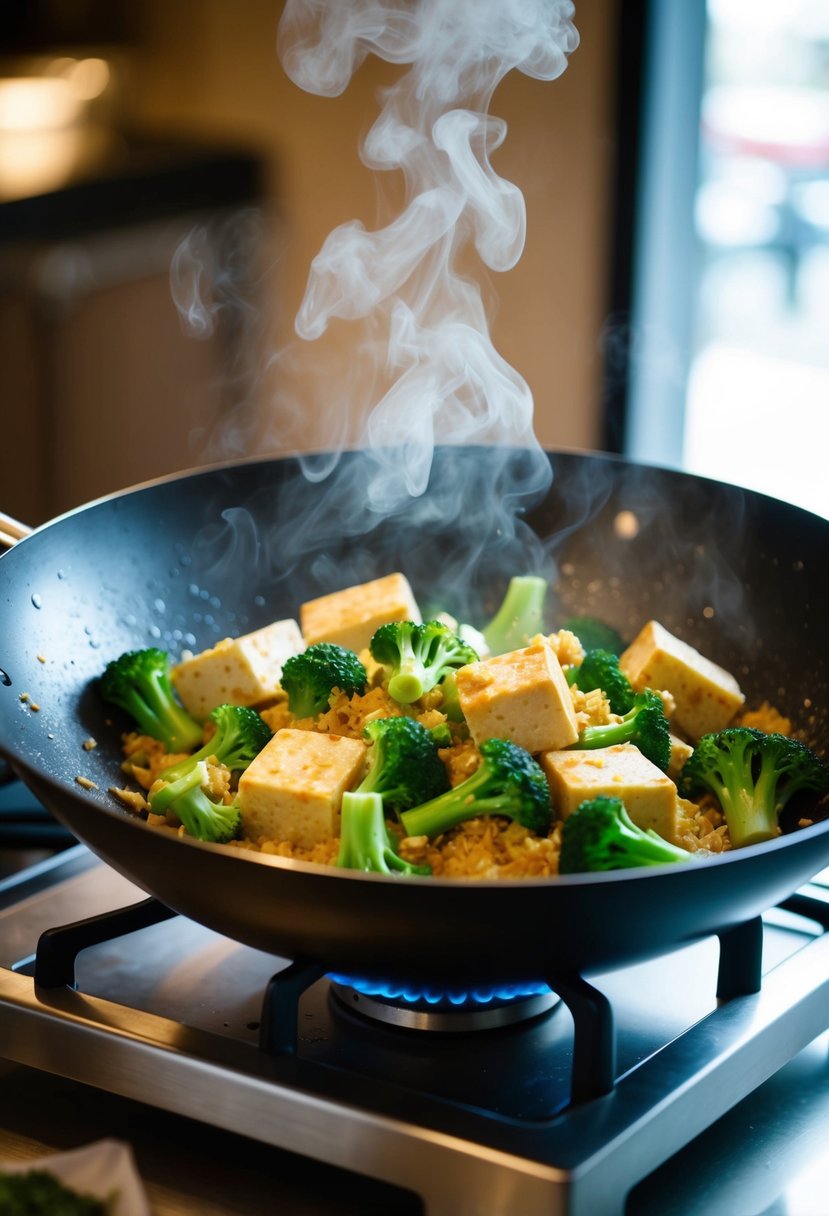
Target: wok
column 185, row 561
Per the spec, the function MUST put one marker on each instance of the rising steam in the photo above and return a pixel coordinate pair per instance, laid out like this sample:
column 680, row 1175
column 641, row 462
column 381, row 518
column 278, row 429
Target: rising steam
column 448, row 383
column 445, row 458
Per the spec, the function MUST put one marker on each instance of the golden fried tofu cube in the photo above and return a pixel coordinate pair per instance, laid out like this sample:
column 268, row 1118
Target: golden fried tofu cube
column 680, row 752
column 522, row 696
column 620, row 771
column 351, row 617
column 237, row 671
column 293, row 790
column 706, row 696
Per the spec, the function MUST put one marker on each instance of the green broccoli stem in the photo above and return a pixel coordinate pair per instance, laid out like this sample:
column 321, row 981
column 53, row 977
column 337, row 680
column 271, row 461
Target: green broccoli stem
column 750, row 810
column 158, row 714
column 451, row 704
column 409, row 680
column 201, row 817
column 239, row 736
column 364, row 839
column 417, row 676
column 304, row 704
column 520, row 616
column 608, row 734
column 162, row 798
column 449, row 809
column 648, row 848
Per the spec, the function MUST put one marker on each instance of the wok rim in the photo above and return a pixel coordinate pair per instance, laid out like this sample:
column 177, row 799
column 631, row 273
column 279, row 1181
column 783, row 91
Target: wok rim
column 195, row 471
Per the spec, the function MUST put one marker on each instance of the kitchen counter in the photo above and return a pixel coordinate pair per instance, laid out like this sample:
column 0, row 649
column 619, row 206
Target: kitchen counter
column 187, row 1168
column 767, row 1157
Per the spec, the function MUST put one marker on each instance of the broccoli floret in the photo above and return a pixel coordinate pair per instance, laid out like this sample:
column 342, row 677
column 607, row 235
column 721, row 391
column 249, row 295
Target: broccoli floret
column 39, row 1190
column 309, row 678
column 600, row 835
column 404, row 765
column 595, row 634
column 441, row 735
column 239, row 737
column 753, row 774
column 520, row 616
column 644, row 724
column 201, row 816
column 139, row 682
column 419, row 656
column 404, row 769
column 365, row 843
column 600, row 669
column 507, row 782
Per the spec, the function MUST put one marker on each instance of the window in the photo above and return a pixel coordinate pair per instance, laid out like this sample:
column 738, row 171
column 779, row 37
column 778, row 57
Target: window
column 729, row 346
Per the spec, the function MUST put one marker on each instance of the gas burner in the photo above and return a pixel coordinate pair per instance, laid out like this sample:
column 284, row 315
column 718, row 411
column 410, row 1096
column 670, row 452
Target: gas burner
column 446, row 1011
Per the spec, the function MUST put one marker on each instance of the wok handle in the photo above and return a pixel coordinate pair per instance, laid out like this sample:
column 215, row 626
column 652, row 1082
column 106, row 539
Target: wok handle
column 11, row 531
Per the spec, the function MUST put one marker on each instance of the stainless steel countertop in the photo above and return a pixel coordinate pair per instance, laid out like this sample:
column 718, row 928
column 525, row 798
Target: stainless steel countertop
column 768, row 1157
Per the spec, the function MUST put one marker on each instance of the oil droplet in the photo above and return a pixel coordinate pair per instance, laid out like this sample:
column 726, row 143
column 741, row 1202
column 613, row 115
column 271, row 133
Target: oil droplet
column 5, row 678
column 37, row 601
column 159, row 605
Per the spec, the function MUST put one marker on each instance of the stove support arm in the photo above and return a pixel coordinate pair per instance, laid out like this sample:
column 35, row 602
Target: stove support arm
column 741, row 957
column 58, row 948
column 594, row 1037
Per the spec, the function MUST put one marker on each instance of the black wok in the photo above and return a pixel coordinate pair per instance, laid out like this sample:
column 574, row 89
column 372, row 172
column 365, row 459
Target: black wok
column 185, row 561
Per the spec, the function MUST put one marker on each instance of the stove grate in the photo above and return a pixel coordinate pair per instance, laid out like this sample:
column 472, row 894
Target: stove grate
column 594, row 1066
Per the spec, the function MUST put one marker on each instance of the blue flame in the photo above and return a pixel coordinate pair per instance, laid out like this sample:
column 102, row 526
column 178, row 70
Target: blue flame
column 406, row 993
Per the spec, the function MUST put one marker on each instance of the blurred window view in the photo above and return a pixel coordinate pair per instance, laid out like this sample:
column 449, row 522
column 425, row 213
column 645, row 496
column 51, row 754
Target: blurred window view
column 758, row 390
column 729, row 373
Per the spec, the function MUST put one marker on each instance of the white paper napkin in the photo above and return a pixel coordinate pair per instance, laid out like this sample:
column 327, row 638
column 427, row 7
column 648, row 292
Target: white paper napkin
column 98, row 1169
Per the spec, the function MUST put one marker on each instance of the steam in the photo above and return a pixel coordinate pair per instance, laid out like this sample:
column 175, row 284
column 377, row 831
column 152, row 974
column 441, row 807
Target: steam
column 444, row 382
column 441, row 424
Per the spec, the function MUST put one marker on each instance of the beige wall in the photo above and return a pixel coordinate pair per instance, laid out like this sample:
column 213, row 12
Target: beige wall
column 210, row 67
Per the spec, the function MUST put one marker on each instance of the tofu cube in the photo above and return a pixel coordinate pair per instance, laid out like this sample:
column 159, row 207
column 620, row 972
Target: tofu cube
column 237, row 671
column 706, row 696
column 680, row 752
column 522, row 696
column 351, row 617
column 619, row 772
column 294, row 788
